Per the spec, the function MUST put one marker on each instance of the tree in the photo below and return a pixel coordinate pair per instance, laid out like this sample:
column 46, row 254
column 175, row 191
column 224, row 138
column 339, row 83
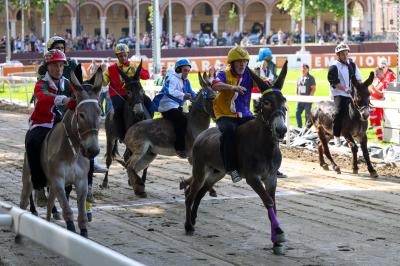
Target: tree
column 313, row 7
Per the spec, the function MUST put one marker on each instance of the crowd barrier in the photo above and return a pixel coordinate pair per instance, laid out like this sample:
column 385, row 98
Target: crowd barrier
column 59, row 240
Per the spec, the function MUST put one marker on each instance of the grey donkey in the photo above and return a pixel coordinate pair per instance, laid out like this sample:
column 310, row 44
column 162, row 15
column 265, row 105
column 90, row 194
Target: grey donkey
column 148, row 138
column 66, row 151
column 259, row 156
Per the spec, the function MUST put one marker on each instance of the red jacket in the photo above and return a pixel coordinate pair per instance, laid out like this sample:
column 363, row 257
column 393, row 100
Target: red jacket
column 47, row 94
column 117, row 85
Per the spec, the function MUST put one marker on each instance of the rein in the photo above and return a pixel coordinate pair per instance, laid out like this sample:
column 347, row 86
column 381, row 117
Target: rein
column 80, row 134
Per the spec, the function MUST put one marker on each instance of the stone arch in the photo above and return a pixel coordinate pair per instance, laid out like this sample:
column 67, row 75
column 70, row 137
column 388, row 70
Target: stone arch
column 118, row 2
column 200, row 20
column 164, row 7
column 210, row 3
column 179, row 21
column 254, row 16
column 236, row 2
column 89, row 19
column 251, row 2
column 93, row 3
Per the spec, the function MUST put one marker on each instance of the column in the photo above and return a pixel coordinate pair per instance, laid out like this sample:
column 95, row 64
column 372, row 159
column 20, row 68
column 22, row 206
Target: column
column 130, row 23
column 188, row 24
column 161, row 24
column 73, row 27
column 292, row 24
column 215, row 23
column 268, row 24
column 13, row 23
column 319, row 23
column 241, row 22
column 341, row 23
column 103, row 27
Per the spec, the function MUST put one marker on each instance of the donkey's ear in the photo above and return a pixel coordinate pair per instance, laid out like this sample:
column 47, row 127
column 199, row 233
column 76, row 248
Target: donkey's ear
column 369, row 80
column 278, row 84
column 260, row 83
column 123, row 74
column 206, row 78
column 76, row 82
column 138, row 70
column 201, row 81
column 78, row 73
column 97, row 80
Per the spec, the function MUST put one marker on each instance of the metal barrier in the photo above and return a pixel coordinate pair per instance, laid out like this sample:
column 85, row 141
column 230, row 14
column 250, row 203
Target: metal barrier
column 61, row 241
column 23, row 82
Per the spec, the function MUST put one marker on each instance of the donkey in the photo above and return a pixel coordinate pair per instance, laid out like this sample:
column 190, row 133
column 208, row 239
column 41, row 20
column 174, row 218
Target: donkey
column 148, row 138
column 354, row 125
column 259, row 156
column 134, row 111
column 66, row 151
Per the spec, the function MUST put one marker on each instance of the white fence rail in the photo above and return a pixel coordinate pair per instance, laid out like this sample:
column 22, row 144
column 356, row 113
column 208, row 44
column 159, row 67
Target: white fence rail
column 61, row 241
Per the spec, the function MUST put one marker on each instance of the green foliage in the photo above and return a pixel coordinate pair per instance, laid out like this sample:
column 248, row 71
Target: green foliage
column 313, row 7
column 232, row 13
column 150, row 19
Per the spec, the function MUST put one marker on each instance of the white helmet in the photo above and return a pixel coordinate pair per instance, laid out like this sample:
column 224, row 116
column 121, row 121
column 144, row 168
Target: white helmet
column 342, row 47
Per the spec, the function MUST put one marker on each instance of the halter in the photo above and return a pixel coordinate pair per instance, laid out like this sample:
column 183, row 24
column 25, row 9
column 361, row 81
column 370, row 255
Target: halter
column 80, row 135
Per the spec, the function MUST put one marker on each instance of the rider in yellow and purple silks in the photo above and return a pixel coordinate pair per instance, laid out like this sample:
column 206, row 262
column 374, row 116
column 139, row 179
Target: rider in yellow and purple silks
column 232, row 104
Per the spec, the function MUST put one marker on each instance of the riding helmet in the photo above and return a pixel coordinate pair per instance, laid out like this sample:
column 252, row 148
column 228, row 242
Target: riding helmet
column 238, row 53
column 342, row 47
column 53, row 40
column 54, row 55
column 182, row 62
column 120, row 48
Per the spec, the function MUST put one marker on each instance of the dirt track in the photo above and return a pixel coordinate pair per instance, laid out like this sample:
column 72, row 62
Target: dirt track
column 329, row 219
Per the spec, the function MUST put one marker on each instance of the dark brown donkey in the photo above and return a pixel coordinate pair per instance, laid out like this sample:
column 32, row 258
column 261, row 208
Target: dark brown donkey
column 148, row 138
column 134, row 111
column 259, row 156
column 354, row 125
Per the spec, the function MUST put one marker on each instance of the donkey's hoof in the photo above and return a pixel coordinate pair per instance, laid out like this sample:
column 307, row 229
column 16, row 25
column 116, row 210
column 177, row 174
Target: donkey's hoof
column 129, row 182
column 280, row 238
column 18, row 239
column 325, row 166
column 141, row 194
column 89, row 216
column 212, row 193
column 104, row 185
column 35, row 213
column 374, row 174
column 337, row 169
column 277, row 249
column 56, row 216
column 71, row 226
column 84, row 233
column 355, row 171
column 189, row 228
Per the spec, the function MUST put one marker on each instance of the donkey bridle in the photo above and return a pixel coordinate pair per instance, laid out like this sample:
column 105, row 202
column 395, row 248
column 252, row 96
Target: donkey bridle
column 80, row 135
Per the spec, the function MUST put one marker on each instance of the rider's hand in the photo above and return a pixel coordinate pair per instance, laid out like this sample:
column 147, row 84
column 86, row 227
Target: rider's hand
column 66, row 100
column 187, row 96
column 239, row 89
column 348, row 91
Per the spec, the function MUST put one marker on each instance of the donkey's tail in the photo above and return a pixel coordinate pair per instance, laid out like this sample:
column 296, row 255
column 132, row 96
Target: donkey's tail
column 308, row 125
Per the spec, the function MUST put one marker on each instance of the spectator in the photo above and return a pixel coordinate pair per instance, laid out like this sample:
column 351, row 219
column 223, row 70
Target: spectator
column 376, row 90
column 305, row 86
column 104, row 97
column 160, row 80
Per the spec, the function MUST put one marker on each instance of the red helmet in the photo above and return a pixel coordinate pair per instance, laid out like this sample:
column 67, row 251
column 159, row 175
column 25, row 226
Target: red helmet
column 54, row 55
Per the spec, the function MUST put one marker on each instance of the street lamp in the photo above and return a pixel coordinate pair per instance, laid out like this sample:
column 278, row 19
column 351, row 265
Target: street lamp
column 345, row 21
column 303, row 26
column 8, row 57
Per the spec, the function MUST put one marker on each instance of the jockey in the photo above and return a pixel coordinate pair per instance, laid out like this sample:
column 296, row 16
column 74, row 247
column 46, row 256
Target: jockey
column 57, row 42
column 339, row 77
column 232, row 104
column 175, row 91
column 267, row 68
column 117, row 86
column 53, row 94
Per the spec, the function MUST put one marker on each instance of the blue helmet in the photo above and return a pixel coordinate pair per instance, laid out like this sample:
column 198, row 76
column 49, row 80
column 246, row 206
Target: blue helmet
column 264, row 52
column 182, row 62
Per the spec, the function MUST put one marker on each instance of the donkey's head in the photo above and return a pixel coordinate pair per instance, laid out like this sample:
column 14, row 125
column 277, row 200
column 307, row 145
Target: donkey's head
column 134, row 90
column 205, row 97
column 360, row 95
column 85, row 122
column 271, row 108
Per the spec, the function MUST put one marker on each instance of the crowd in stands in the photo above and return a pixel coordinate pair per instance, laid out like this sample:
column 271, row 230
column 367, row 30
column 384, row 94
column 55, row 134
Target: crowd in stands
column 85, row 41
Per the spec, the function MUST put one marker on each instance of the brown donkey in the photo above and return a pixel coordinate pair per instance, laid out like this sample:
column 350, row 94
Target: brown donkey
column 66, row 151
column 259, row 156
column 354, row 125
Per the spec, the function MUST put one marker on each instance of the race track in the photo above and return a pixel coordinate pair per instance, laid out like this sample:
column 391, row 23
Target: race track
column 328, row 219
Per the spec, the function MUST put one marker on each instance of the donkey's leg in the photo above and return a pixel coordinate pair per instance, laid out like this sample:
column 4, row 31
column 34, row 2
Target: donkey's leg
column 328, row 155
column 365, row 152
column 138, row 162
column 81, row 191
column 322, row 162
column 196, row 185
column 354, row 150
column 32, row 207
column 68, row 215
column 50, row 203
column 258, row 187
column 26, row 192
column 111, row 146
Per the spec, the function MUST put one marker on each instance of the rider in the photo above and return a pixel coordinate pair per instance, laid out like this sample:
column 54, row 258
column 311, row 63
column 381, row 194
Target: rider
column 53, row 95
column 339, row 77
column 232, row 104
column 176, row 90
column 267, row 68
column 117, row 86
column 57, row 42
